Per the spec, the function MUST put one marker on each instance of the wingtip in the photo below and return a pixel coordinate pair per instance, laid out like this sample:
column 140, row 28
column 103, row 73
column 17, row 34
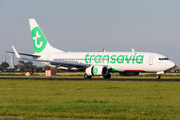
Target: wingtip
column 16, row 53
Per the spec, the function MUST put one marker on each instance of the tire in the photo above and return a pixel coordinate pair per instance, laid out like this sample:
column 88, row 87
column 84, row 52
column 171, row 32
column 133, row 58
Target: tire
column 108, row 76
column 158, row 77
column 86, row 76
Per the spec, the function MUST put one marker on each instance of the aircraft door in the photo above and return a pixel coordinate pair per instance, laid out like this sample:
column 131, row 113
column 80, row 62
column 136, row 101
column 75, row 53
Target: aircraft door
column 151, row 60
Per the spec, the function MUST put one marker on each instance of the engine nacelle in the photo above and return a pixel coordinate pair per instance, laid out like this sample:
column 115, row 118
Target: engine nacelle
column 129, row 73
column 97, row 71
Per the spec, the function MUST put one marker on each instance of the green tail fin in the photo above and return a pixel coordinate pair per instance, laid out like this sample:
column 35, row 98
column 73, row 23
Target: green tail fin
column 40, row 42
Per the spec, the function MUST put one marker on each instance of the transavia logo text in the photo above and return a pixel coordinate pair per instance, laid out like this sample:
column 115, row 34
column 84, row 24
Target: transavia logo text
column 114, row 58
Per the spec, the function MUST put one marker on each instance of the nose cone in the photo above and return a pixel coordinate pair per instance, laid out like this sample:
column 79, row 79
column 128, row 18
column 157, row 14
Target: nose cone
column 171, row 64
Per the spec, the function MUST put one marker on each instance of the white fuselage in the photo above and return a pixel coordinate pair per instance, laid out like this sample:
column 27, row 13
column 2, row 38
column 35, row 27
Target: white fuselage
column 118, row 61
column 94, row 63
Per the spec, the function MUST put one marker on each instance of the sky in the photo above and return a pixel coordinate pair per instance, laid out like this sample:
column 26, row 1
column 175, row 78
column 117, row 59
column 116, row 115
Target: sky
column 89, row 25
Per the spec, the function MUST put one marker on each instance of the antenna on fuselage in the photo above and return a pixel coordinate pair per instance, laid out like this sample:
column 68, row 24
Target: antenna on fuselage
column 133, row 50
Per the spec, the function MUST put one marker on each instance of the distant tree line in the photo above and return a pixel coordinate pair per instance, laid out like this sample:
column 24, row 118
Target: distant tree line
column 23, row 67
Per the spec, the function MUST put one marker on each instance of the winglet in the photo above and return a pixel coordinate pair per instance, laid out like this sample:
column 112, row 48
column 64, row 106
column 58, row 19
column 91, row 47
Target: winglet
column 17, row 54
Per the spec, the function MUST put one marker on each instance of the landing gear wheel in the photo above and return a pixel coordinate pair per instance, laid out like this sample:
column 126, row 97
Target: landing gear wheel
column 86, row 76
column 108, row 76
column 158, row 76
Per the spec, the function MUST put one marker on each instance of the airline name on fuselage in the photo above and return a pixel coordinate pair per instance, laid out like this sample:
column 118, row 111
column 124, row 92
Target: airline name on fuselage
column 115, row 58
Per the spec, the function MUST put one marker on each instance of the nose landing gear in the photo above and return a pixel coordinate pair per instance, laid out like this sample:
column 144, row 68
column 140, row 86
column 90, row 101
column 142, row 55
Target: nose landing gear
column 158, row 77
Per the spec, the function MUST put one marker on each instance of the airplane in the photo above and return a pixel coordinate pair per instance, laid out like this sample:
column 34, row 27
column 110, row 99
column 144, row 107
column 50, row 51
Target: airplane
column 94, row 63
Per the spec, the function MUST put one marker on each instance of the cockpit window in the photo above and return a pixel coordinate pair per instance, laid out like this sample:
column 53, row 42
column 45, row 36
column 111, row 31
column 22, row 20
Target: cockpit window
column 163, row 59
column 166, row 58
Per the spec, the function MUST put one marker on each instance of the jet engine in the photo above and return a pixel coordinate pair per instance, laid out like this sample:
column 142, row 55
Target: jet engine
column 97, row 71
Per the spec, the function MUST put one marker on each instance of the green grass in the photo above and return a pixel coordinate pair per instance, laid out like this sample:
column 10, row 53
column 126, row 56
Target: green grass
column 14, row 118
column 90, row 99
column 27, row 118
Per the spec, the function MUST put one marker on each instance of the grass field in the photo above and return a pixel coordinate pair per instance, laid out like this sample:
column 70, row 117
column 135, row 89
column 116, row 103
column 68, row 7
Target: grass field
column 90, row 99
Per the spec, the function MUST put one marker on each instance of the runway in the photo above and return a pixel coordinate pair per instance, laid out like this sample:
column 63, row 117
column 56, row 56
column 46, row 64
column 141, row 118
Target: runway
column 95, row 79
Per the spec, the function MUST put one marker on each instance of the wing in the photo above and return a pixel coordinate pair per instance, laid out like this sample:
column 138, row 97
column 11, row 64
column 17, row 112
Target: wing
column 69, row 64
column 25, row 54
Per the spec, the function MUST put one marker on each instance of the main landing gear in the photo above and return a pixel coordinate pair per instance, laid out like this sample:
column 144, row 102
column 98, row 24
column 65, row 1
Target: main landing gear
column 87, row 77
column 108, row 76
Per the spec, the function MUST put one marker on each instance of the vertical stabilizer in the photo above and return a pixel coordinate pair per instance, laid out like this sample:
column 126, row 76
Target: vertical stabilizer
column 40, row 43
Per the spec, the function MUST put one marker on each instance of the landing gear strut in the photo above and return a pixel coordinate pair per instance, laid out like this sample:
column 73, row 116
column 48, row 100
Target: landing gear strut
column 158, row 76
